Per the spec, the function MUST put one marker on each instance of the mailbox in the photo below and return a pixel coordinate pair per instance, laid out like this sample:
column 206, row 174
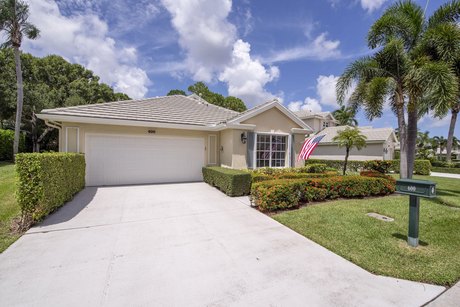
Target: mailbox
column 422, row 188
column 415, row 189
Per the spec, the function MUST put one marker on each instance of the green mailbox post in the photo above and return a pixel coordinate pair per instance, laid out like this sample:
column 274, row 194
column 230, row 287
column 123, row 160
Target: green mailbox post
column 415, row 189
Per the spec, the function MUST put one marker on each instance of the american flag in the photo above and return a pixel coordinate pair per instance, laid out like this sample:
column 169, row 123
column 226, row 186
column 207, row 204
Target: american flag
column 308, row 146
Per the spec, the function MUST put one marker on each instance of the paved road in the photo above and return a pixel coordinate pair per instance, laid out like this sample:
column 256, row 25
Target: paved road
column 456, row 176
column 182, row 245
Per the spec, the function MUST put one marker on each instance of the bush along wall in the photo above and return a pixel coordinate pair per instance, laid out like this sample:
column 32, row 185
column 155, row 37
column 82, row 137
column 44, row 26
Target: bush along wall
column 6, row 144
column 46, row 181
column 230, row 181
column 421, row 167
column 283, row 194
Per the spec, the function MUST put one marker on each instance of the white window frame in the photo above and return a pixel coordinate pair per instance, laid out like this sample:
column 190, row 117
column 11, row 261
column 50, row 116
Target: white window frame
column 67, row 138
column 209, row 149
column 288, row 149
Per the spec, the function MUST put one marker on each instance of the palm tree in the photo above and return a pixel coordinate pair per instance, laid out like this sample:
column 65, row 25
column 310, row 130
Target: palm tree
column 440, row 143
column 13, row 21
column 349, row 138
column 424, row 145
column 442, row 42
column 400, row 73
column 345, row 116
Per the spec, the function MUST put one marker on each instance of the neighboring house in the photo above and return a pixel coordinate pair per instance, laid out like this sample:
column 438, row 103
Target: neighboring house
column 317, row 120
column 380, row 145
column 169, row 139
column 455, row 152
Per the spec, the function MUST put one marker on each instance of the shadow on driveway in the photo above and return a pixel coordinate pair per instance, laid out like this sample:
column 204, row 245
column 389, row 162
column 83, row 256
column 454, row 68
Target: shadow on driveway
column 71, row 208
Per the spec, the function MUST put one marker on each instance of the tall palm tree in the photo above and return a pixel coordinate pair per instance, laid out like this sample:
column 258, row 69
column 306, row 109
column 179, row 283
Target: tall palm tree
column 13, row 21
column 399, row 72
column 442, row 42
column 350, row 138
column 345, row 116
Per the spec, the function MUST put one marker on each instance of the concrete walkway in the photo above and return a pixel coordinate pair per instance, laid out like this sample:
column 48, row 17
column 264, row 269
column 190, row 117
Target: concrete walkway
column 450, row 298
column 446, row 175
column 183, row 245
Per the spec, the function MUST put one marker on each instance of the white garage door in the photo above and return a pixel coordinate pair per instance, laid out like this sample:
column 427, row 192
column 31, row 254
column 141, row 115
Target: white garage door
column 117, row 160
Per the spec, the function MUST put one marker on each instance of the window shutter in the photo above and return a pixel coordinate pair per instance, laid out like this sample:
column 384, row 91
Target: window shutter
column 291, row 150
column 251, row 141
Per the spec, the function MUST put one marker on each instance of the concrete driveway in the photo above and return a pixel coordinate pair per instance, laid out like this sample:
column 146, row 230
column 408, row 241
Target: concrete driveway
column 182, row 245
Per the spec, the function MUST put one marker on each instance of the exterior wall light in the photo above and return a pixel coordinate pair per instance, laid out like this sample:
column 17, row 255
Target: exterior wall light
column 244, row 138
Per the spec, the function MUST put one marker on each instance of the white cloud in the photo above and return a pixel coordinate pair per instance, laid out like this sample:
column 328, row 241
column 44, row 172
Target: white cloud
column 430, row 121
column 246, row 77
column 368, row 5
column 325, row 88
column 372, row 5
column 320, row 48
column 308, row 104
column 213, row 50
column 84, row 39
column 204, row 33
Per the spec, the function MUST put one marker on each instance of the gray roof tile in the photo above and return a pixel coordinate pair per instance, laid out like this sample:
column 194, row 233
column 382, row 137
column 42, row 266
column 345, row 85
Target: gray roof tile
column 176, row 109
column 372, row 134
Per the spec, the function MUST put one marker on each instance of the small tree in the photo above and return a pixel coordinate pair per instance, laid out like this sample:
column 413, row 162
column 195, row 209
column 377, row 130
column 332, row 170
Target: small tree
column 349, row 138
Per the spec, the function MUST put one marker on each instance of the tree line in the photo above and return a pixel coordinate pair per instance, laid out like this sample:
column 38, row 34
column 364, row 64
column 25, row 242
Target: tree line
column 201, row 89
column 49, row 82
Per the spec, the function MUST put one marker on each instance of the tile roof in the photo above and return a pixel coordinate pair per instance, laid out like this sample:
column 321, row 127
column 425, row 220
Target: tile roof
column 176, row 109
column 309, row 113
column 372, row 134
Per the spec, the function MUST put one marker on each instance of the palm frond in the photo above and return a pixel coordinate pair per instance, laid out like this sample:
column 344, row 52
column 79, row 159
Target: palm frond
column 403, row 20
column 449, row 12
column 363, row 68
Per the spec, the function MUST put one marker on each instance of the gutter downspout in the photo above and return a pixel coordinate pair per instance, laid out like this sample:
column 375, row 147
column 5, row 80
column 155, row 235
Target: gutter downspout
column 53, row 125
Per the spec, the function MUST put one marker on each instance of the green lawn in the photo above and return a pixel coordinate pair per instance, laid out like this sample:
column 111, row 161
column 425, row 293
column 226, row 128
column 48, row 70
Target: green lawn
column 9, row 209
column 380, row 247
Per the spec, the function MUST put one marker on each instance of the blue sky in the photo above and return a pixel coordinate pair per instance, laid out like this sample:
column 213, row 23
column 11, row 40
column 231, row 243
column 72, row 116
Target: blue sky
column 256, row 50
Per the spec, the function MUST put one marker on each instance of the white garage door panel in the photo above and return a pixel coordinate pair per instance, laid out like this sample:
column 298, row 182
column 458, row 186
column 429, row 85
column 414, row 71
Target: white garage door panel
column 115, row 160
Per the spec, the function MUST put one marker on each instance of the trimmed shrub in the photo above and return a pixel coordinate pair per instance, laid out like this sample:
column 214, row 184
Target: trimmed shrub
column 47, row 181
column 353, row 166
column 316, row 168
column 230, row 181
column 381, row 166
column 421, row 167
column 256, row 177
column 6, row 144
column 282, row 194
column 276, row 194
column 376, row 174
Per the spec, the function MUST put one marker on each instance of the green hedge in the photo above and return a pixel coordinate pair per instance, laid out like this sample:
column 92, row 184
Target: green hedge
column 353, row 166
column 6, row 144
column 230, row 181
column 448, row 170
column 46, row 181
column 257, row 177
column 381, row 166
column 421, row 167
column 376, row 174
column 282, row 194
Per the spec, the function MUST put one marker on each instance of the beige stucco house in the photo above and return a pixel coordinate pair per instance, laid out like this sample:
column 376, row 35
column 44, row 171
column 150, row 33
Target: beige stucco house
column 169, row 139
column 380, row 145
column 317, row 120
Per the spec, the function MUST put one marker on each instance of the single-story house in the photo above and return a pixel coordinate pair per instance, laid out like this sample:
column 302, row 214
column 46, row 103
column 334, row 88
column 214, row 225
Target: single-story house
column 380, row 145
column 169, row 139
column 317, row 120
